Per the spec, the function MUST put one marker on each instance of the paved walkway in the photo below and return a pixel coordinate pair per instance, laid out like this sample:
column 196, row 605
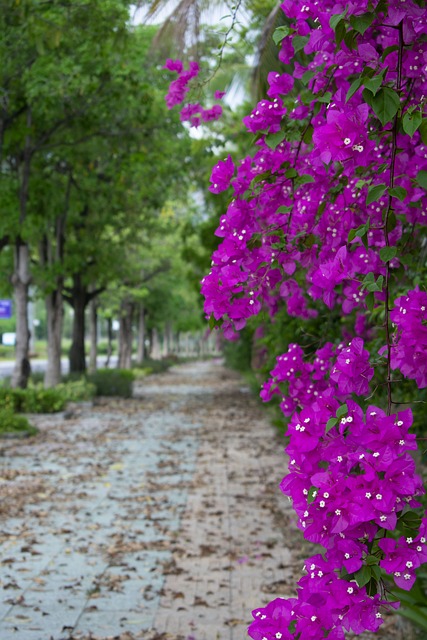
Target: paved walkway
column 158, row 517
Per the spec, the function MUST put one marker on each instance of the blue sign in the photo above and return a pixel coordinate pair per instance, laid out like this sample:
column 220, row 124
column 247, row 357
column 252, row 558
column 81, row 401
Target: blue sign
column 5, row 309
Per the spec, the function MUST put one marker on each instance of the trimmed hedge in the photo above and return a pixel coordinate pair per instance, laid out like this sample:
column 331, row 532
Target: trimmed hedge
column 12, row 424
column 112, row 382
column 37, row 399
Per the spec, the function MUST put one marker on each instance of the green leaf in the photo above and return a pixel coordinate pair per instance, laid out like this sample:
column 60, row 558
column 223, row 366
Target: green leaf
column 376, row 286
column 335, row 19
column 331, row 424
column 391, row 221
column 355, row 85
column 213, row 323
column 280, row 33
column 306, row 178
column 388, row 253
column 373, row 84
column 423, row 130
column 363, row 576
column 370, row 301
column 284, row 209
column 388, row 50
column 291, row 173
column 312, row 495
column 274, row 139
column 411, row 122
column 307, row 76
column 299, row 42
column 340, row 32
column 350, row 39
column 375, row 191
column 411, row 520
column 292, row 626
column 325, row 98
column 362, row 230
column 382, row 7
column 386, row 104
column 398, row 192
column 422, row 178
column 362, row 22
column 376, row 571
column 341, row 411
column 308, row 135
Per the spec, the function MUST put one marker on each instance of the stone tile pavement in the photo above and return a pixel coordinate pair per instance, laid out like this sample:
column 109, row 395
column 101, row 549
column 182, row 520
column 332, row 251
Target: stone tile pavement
column 156, row 517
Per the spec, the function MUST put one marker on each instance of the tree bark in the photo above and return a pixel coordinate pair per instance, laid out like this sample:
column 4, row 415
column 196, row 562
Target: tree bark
column 53, row 254
column 54, row 318
column 78, row 297
column 78, row 300
column 93, row 332
column 125, row 334
column 155, row 346
column 141, row 335
column 21, row 276
column 169, row 337
column 21, row 283
column 110, row 340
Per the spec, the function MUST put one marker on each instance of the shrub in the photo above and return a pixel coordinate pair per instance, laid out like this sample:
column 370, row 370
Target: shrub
column 141, row 372
column 37, row 399
column 77, row 390
column 10, row 423
column 158, row 366
column 6, row 351
column 112, row 382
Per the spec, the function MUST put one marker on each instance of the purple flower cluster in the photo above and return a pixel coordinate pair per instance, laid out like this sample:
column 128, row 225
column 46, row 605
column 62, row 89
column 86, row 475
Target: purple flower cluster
column 349, row 480
column 179, row 88
column 317, row 216
column 340, row 371
column 409, row 351
column 326, row 606
column 195, row 114
column 351, row 477
column 352, row 371
column 295, row 200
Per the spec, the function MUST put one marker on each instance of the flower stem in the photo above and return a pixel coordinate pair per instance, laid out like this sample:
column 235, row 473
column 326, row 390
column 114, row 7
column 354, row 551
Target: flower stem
column 386, row 223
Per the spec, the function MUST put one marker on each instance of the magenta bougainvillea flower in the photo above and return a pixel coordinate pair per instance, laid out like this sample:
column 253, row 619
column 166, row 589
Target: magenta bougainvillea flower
column 352, row 371
column 409, row 350
column 344, row 135
column 321, row 210
column 221, row 175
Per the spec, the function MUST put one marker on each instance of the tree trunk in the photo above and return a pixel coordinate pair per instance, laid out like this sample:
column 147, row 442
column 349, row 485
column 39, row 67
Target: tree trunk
column 93, row 331
column 21, row 275
column 21, row 282
column 169, row 337
column 79, row 300
column 54, row 319
column 110, row 340
column 53, row 254
column 125, row 335
column 155, row 346
column 141, row 335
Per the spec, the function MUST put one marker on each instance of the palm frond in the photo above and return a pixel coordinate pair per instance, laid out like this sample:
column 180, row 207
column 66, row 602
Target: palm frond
column 267, row 60
column 181, row 31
